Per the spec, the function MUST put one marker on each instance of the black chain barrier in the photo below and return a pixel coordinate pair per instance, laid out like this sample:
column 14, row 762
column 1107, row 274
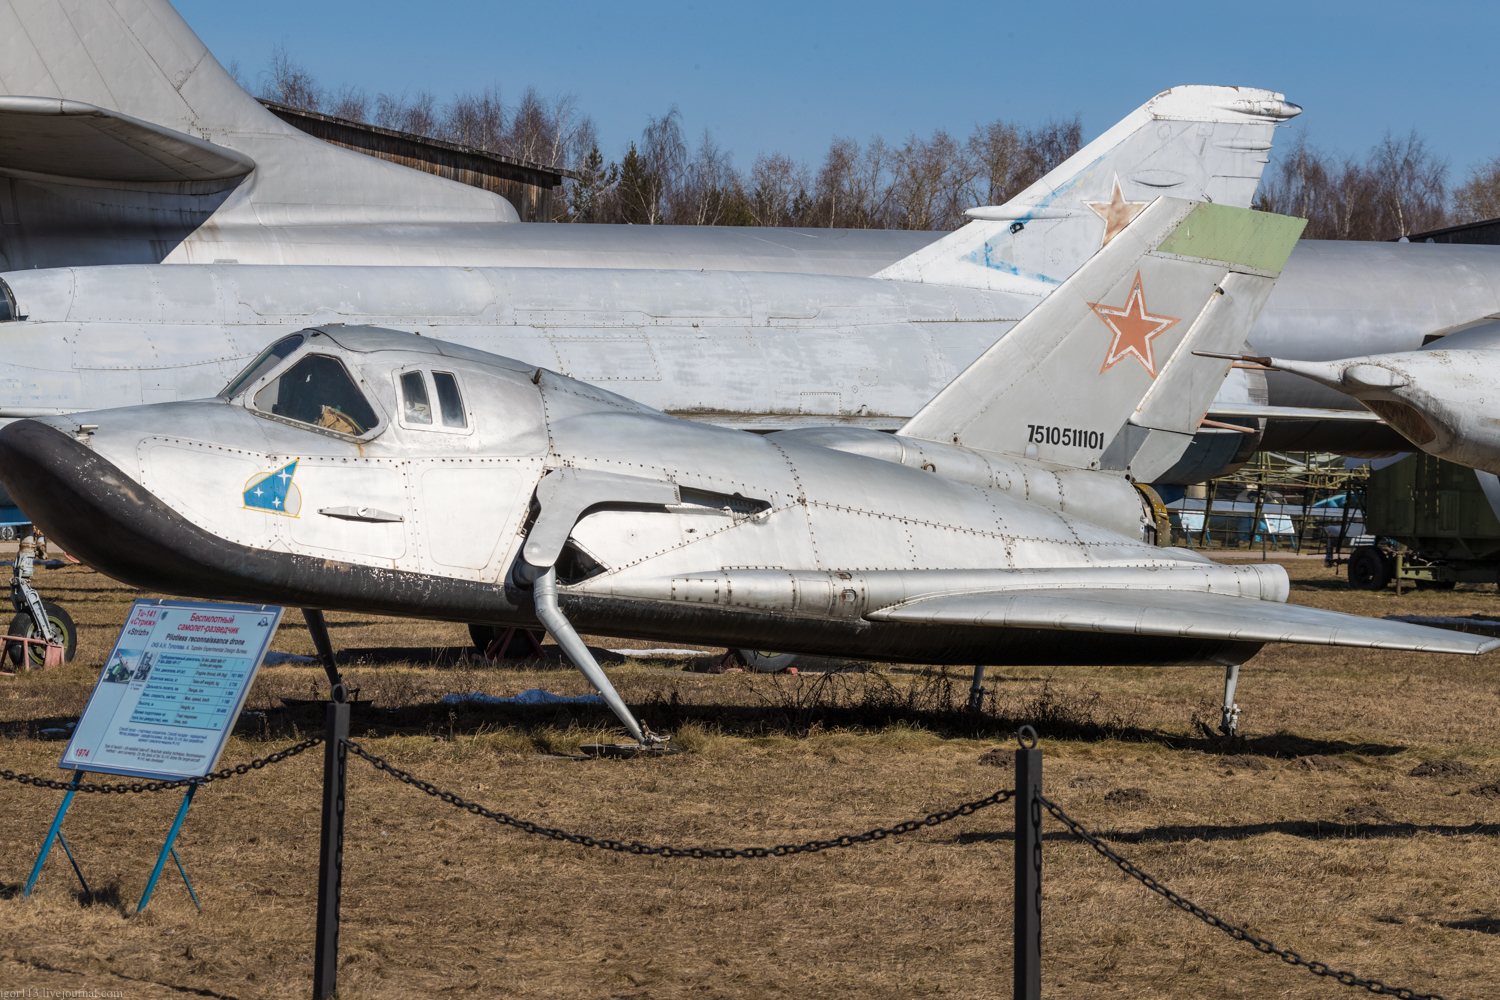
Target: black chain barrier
column 1238, row 933
column 720, row 853
column 163, row 786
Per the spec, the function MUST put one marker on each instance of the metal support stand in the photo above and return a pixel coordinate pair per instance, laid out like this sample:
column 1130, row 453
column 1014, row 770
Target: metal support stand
column 331, row 857
column 498, row 648
column 976, row 690
column 1028, row 945
column 1229, row 720
column 54, row 832
column 318, row 626
column 169, row 848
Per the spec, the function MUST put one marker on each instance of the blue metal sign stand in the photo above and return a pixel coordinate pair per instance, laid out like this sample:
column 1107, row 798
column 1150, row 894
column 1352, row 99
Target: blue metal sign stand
column 179, row 686
column 170, row 848
column 54, row 832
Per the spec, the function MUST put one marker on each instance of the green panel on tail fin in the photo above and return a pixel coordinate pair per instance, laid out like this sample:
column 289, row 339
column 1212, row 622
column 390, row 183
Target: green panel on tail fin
column 1235, row 236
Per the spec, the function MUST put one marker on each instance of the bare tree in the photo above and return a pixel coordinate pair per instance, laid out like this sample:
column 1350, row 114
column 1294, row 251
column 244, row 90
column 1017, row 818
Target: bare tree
column 930, row 178
column 475, row 119
column 349, row 102
column 418, row 116
column 853, row 189
column 1399, row 189
column 1412, row 185
column 238, row 76
column 287, row 82
column 708, row 189
column 778, row 191
column 1479, row 197
column 997, row 150
column 651, row 171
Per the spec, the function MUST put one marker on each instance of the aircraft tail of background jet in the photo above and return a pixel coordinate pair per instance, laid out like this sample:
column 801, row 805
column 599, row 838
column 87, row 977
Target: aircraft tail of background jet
column 120, row 134
column 1194, row 143
column 1101, row 374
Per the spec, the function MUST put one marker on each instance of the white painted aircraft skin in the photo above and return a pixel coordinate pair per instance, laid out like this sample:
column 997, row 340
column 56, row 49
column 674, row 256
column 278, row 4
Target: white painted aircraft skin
column 336, row 473
column 748, row 350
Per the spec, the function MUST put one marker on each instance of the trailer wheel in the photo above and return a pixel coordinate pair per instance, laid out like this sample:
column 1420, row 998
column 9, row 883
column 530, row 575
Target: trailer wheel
column 1367, row 570
column 520, row 648
column 62, row 627
column 767, row 661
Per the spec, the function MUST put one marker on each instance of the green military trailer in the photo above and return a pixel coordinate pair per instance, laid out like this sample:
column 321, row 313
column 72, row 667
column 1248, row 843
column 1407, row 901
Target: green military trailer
column 1433, row 526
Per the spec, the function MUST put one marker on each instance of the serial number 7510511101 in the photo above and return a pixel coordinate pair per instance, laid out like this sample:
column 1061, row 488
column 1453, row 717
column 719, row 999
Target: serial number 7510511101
column 1068, row 437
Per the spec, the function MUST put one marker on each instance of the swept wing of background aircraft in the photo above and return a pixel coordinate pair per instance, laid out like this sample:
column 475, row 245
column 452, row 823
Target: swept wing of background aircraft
column 1444, row 398
column 363, row 469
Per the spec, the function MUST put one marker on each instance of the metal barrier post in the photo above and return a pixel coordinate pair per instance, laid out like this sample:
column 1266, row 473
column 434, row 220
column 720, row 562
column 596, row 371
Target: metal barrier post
column 331, row 857
column 1028, row 945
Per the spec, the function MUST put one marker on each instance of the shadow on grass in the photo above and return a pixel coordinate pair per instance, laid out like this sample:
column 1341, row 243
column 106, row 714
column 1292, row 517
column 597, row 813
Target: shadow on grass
column 109, row 896
column 1304, row 829
column 1484, row 925
column 800, row 706
column 447, row 656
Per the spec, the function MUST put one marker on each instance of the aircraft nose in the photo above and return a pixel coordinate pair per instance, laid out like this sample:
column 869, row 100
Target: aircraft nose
column 61, row 484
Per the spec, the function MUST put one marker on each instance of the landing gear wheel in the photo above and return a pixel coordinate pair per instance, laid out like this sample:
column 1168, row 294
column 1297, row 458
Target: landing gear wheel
column 63, row 630
column 768, row 662
column 1367, row 570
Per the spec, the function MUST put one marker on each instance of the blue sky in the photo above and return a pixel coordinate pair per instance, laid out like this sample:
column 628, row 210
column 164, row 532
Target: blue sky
column 789, row 76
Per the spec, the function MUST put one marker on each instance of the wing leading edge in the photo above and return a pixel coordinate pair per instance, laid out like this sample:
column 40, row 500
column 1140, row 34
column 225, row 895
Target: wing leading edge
column 1178, row 613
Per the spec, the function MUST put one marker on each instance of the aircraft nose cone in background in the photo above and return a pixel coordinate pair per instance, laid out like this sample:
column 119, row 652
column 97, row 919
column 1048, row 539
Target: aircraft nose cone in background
column 83, row 502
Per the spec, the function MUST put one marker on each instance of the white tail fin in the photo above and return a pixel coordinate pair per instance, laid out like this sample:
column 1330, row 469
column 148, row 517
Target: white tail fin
column 1192, row 143
column 1101, row 374
column 135, row 98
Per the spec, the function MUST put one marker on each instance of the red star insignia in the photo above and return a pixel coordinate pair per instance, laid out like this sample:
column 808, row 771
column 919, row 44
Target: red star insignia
column 1117, row 213
column 1134, row 329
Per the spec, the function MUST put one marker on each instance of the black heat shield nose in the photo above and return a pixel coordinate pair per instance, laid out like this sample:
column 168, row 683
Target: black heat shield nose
column 104, row 517
column 77, row 498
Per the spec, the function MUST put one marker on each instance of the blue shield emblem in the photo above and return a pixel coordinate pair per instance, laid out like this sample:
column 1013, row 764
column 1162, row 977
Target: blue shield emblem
column 275, row 491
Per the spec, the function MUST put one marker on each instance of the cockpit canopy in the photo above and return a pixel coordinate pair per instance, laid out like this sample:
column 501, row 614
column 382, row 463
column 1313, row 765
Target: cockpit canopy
column 316, row 389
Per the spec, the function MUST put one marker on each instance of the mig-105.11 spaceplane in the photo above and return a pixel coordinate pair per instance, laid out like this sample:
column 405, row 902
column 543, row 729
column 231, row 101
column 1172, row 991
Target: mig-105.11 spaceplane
column 365, row 469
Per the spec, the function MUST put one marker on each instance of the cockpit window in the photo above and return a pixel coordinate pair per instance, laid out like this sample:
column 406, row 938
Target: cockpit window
column 415, row 409
column 449, row 401
column 7, row 304
column 263, row 363
column 318, row 391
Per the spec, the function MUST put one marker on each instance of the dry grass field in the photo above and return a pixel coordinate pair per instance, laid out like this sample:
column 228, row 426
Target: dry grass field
column 1312, row 834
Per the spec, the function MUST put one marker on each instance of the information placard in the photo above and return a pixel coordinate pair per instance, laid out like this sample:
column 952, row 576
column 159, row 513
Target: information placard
column 172, row 688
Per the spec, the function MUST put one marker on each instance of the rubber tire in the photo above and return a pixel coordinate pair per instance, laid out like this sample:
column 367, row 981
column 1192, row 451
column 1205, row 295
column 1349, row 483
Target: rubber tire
column 1367, row 570
column 766, row 662
column 22, row 625
column 483, row 635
